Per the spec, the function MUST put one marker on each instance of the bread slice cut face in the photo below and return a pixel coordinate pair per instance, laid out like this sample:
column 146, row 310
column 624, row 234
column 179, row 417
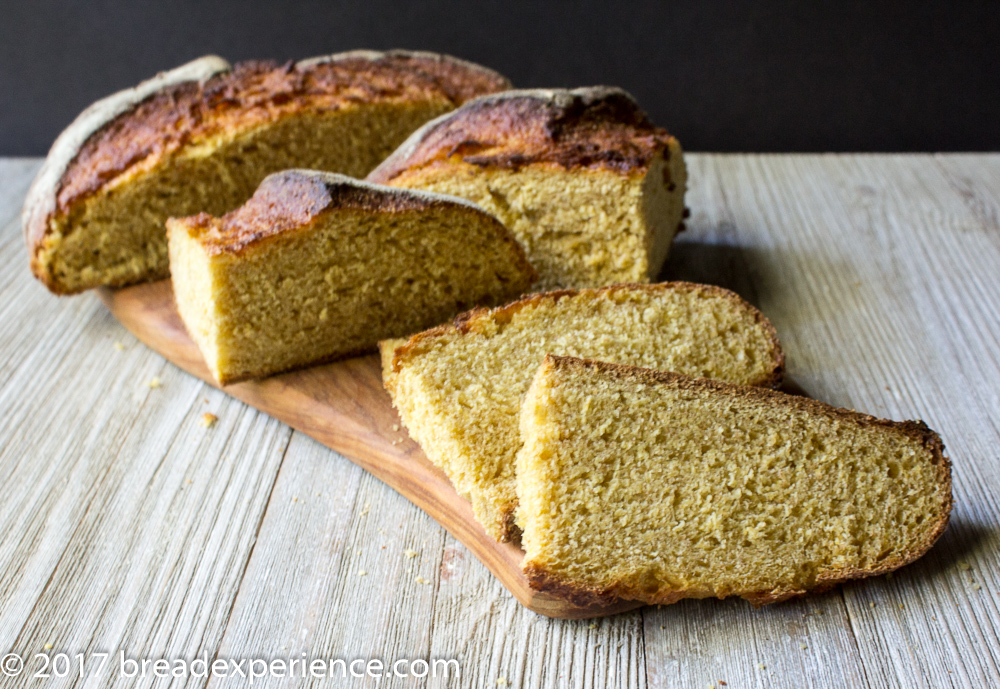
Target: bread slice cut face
column 654, row 487
column 201, row 138
column 591, row 188
column 318, row 266
column 458, row 387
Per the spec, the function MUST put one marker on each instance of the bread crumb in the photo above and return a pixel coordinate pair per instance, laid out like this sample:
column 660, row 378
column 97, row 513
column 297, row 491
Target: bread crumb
column 421, row 580
column 395, row 426
column 501, row 681
column 964, row 566
column 362, row 573
column 803, row 647
column 761, row 666
column 208, row 420
column 976, row 587
column 154, row 383
column 872, row 604
column 48, row 647
column 364, row 510
column 119, row 346
column 410, row 554
column 901, row 606
column 593, row 626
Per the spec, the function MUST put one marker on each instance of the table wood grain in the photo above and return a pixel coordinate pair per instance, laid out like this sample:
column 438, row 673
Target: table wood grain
column 127, row 525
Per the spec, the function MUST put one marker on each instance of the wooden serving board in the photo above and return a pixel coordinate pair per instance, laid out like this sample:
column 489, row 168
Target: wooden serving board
column 344, row 406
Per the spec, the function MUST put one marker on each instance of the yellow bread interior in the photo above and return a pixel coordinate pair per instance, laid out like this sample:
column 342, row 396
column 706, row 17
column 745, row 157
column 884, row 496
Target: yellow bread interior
column 657, row 487
column 581, row 227
column 458, row 389
column 118, row 234
column 336, row 285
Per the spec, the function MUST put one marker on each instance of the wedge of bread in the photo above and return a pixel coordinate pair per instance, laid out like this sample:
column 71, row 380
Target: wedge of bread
column 458, row 387
column 201, row 137
column 652, row 486
column 317, row 266
column 591, row 188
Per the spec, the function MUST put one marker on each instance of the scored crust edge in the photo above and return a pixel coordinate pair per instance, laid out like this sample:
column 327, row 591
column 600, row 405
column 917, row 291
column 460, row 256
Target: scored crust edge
column 585, row 595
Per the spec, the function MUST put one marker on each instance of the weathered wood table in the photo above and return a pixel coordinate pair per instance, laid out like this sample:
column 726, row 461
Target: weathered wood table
column 127, row 526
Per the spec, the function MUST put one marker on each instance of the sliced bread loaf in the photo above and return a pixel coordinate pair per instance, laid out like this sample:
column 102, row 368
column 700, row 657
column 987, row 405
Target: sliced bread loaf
column 317, row 266
column 652, row 486
column 458, row 387
column 591, row 188
column 202, row 137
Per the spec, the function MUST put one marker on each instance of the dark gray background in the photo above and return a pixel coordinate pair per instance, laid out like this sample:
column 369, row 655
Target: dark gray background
column 762, row 76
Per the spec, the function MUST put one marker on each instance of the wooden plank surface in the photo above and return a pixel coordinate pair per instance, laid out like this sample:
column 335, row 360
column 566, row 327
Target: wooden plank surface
column 125, row 524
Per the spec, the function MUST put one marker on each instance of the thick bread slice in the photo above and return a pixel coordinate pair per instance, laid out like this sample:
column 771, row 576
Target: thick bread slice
column 652, row 486
column 317, row 266
column 591, row 188
column 202, row 137
column 458, row 387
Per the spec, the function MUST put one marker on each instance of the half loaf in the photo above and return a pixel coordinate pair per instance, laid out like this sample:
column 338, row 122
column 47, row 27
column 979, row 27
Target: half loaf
column 591, row 188
column 202, row 137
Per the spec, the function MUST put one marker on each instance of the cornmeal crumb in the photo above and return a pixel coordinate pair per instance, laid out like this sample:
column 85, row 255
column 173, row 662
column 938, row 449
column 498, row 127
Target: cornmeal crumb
column 119, row 346
column 364, row 510
column 421, row 580
column 362, row 573
column 410, row 554
column 154, row 382
column 501, row 681
column 208, row 420
column 964, row 566
column 48, row 647
column 395, row 426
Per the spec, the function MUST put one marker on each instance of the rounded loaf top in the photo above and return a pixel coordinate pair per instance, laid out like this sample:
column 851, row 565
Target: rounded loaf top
column 206, row 98
column 591, row 127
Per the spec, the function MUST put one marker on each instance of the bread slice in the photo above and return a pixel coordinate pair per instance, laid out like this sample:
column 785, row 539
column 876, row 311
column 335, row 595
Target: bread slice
column 591, row 188
column 202, row 137
column 318, row 266
column 652, row 486
column 458, row 387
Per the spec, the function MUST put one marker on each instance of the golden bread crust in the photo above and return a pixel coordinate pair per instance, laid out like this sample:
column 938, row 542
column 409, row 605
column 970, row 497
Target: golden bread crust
column 469, row 321
column 207, row 99
column 291, row 199
column 580, row 594
column 587, row 128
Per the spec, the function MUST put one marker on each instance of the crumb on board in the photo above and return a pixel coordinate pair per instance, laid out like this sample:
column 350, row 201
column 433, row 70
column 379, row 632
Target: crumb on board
column 154, row 382
column 421, row 580
column 410, row 554
column 208, row 419
column 119, row 346
column 395, row 426
column 362, row 573
column 364, row 510
column 501, row 681
column 48, row 647
column 964, row 566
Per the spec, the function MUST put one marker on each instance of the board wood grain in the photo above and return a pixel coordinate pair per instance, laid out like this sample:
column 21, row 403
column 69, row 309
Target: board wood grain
column 344, row 406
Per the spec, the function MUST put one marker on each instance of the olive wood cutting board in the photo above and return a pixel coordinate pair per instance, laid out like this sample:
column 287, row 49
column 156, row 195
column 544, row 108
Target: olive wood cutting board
column 344, row 406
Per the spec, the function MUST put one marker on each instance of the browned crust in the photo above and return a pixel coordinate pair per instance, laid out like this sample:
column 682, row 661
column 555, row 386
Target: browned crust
column 253, row 93
column 142, row 130
column 292, row 199
column 584, row 594
column 470, row 320
column 589, row 128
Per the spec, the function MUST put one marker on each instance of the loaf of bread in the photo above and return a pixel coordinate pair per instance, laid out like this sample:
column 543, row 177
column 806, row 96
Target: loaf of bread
column 583, row 179
column 458, row 387
column 654, row 487
column 317, row 266
column 202, row 137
